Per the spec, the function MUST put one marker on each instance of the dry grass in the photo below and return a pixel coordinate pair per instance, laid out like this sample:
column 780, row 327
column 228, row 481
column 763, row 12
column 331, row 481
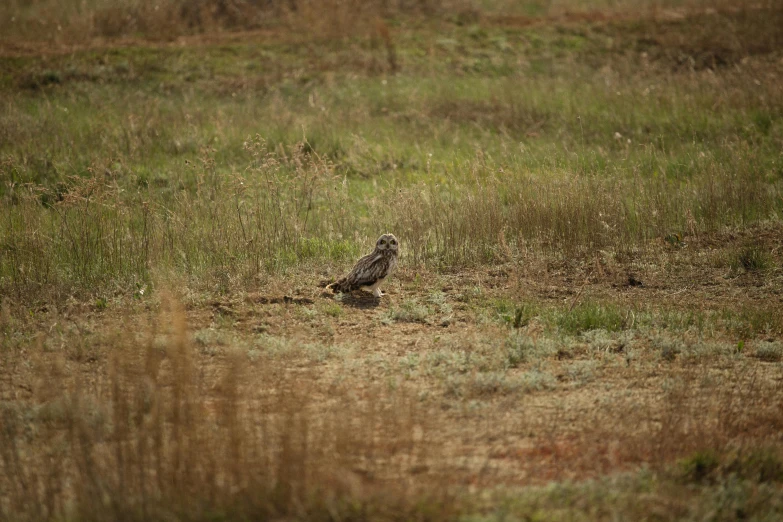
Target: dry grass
column 154, row 437
column 75, row 22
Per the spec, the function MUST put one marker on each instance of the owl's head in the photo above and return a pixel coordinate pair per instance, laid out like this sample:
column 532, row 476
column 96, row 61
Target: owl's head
column 387, row 242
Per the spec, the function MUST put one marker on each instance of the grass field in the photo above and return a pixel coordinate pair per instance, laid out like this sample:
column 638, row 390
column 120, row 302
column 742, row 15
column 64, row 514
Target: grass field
column 587, row 319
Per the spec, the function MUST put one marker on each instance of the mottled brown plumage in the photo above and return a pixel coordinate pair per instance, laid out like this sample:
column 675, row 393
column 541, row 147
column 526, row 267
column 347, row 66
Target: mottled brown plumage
column 370, row 271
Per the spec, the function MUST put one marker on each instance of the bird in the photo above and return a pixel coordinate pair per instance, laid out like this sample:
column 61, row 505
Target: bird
column 371, row 270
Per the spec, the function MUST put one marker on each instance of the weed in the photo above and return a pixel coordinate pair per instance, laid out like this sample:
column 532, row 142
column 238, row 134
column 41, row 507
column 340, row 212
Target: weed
column 537, row 380
column 751, row 321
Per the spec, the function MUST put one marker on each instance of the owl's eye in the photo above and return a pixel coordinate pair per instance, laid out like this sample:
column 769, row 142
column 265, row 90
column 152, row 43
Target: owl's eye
column 383, row 241
column 393, row 242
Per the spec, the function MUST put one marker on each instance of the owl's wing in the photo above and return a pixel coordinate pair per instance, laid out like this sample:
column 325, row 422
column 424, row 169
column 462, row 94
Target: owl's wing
column 367, row 271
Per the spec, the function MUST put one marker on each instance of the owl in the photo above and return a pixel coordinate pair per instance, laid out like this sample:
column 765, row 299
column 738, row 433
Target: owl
column 370, row 271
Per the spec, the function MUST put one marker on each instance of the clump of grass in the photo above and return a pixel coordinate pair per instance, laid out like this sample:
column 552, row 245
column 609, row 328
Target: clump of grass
column 752, row 321
column 90, row 237
column 590, row 316
column 319, row 248
column 537, row 380
column 484, row 384
column 750, row 258
column 707, row 350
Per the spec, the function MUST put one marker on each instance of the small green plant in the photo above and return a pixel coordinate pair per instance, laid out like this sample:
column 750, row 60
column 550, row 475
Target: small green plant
column 411, row 311
column 516, row 316
column 333, row 309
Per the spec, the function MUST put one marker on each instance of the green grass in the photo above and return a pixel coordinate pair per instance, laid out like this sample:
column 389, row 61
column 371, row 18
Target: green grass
column 566, row 158
column 591, row 316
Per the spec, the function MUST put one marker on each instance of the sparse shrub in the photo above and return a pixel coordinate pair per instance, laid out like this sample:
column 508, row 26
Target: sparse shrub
column 438, row 299
column 769, row 351
column 491, row 383
column 669, row 351
column 668, row 347
column 537, row 380
column 707, row 350
column 519, row 349
column 602, row 340
column 581, row 372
